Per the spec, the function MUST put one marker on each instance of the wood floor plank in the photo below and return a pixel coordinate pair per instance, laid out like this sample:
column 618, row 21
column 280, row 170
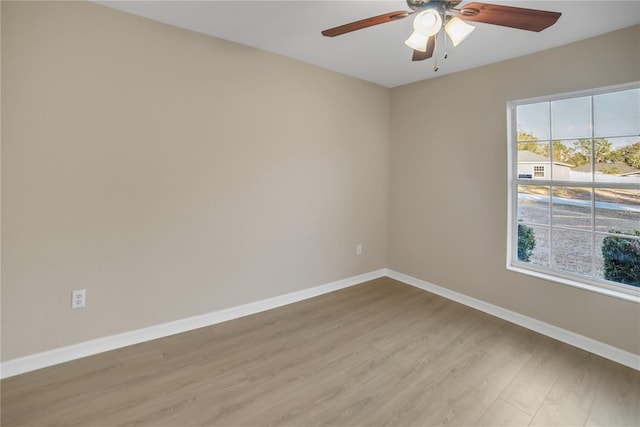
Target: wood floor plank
column 463, row 400
column 571, row 397
column 75, row 381
column 420, row 395
column 532, row 385
column 617, row 402
column 380, row 353
column 503, row 414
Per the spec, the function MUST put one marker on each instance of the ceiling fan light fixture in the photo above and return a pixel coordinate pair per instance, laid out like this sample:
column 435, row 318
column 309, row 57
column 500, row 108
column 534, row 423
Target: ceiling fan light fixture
column 458, row 30
column 417, row 41
column 428, row 22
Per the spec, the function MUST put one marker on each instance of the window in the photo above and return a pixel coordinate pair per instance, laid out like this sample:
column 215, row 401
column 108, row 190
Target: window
column 574, row 216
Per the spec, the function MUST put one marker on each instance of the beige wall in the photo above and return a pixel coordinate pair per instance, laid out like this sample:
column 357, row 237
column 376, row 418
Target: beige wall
column 172, row 174
column 448, row 189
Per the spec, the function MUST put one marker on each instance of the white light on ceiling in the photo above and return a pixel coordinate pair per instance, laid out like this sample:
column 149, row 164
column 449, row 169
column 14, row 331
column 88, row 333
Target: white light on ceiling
column 458, row 30
column 426, row 24
column 417, row 41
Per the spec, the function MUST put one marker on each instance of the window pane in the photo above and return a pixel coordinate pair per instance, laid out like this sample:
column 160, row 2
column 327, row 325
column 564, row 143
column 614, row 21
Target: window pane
column 533, row 244
column 533, row 204
column 571, row 207
column 599, row 260
column 533, row 160
column 618, row 259
column 617, row 210
column 571, row 118
column 533, row 121
column 572, row 160
column 617, row 113
column 571, row 251
column 619, row 160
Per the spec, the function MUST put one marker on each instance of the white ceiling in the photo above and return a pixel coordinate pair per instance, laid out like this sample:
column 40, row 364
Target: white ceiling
column 377, row 54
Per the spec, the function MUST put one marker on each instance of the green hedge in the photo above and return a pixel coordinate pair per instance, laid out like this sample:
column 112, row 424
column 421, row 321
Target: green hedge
column 622, row 258
column 526, row 242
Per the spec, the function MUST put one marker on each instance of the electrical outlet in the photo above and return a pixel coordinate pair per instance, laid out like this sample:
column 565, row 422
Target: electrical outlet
column 78, row 298
column 359, row 249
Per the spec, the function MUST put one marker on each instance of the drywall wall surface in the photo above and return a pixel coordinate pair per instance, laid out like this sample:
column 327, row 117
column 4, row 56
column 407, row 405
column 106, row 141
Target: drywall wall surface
column 448, row 182
column 172, row 174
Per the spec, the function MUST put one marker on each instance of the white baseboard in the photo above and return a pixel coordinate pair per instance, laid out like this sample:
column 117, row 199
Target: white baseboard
column 596, row 347
column 88, row 348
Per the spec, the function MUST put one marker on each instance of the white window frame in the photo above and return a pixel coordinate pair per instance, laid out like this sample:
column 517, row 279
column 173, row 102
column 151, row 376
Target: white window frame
column 605, row 287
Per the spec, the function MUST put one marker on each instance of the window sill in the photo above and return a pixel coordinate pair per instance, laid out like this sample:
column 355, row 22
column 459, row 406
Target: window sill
column 630, row 295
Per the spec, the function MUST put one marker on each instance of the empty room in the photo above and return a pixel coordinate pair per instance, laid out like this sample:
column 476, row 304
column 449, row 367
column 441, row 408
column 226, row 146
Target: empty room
column 301, row 213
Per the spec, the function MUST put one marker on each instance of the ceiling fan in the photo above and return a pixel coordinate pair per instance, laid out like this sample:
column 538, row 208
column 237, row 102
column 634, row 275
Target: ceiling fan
column 433, row 15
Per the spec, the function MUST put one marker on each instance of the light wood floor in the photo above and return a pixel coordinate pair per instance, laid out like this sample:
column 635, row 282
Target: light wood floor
column 381, row 353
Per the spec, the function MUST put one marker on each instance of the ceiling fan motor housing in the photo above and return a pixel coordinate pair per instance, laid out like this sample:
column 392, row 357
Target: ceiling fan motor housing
column 428, row 4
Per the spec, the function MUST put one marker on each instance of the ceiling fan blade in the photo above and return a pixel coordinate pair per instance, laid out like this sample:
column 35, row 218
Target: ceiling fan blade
column 421, row 56
column 364, row 23
column 509, row 16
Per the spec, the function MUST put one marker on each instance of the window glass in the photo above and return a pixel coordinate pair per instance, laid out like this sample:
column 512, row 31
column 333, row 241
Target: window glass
column 572, row 160
column 533, row 204
column 533, row 122
column 571, row 118
column 533, row 245
column 571, row 252
column 571, row 208
column 576, row 189
column 617, row 210
column 617, row 160
column 617, row 113
column 533, row 160
column 618, row 260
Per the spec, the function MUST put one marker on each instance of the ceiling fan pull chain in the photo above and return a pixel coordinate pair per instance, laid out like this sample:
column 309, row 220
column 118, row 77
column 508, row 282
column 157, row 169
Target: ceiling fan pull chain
column 435, row 56
column 446, row 55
